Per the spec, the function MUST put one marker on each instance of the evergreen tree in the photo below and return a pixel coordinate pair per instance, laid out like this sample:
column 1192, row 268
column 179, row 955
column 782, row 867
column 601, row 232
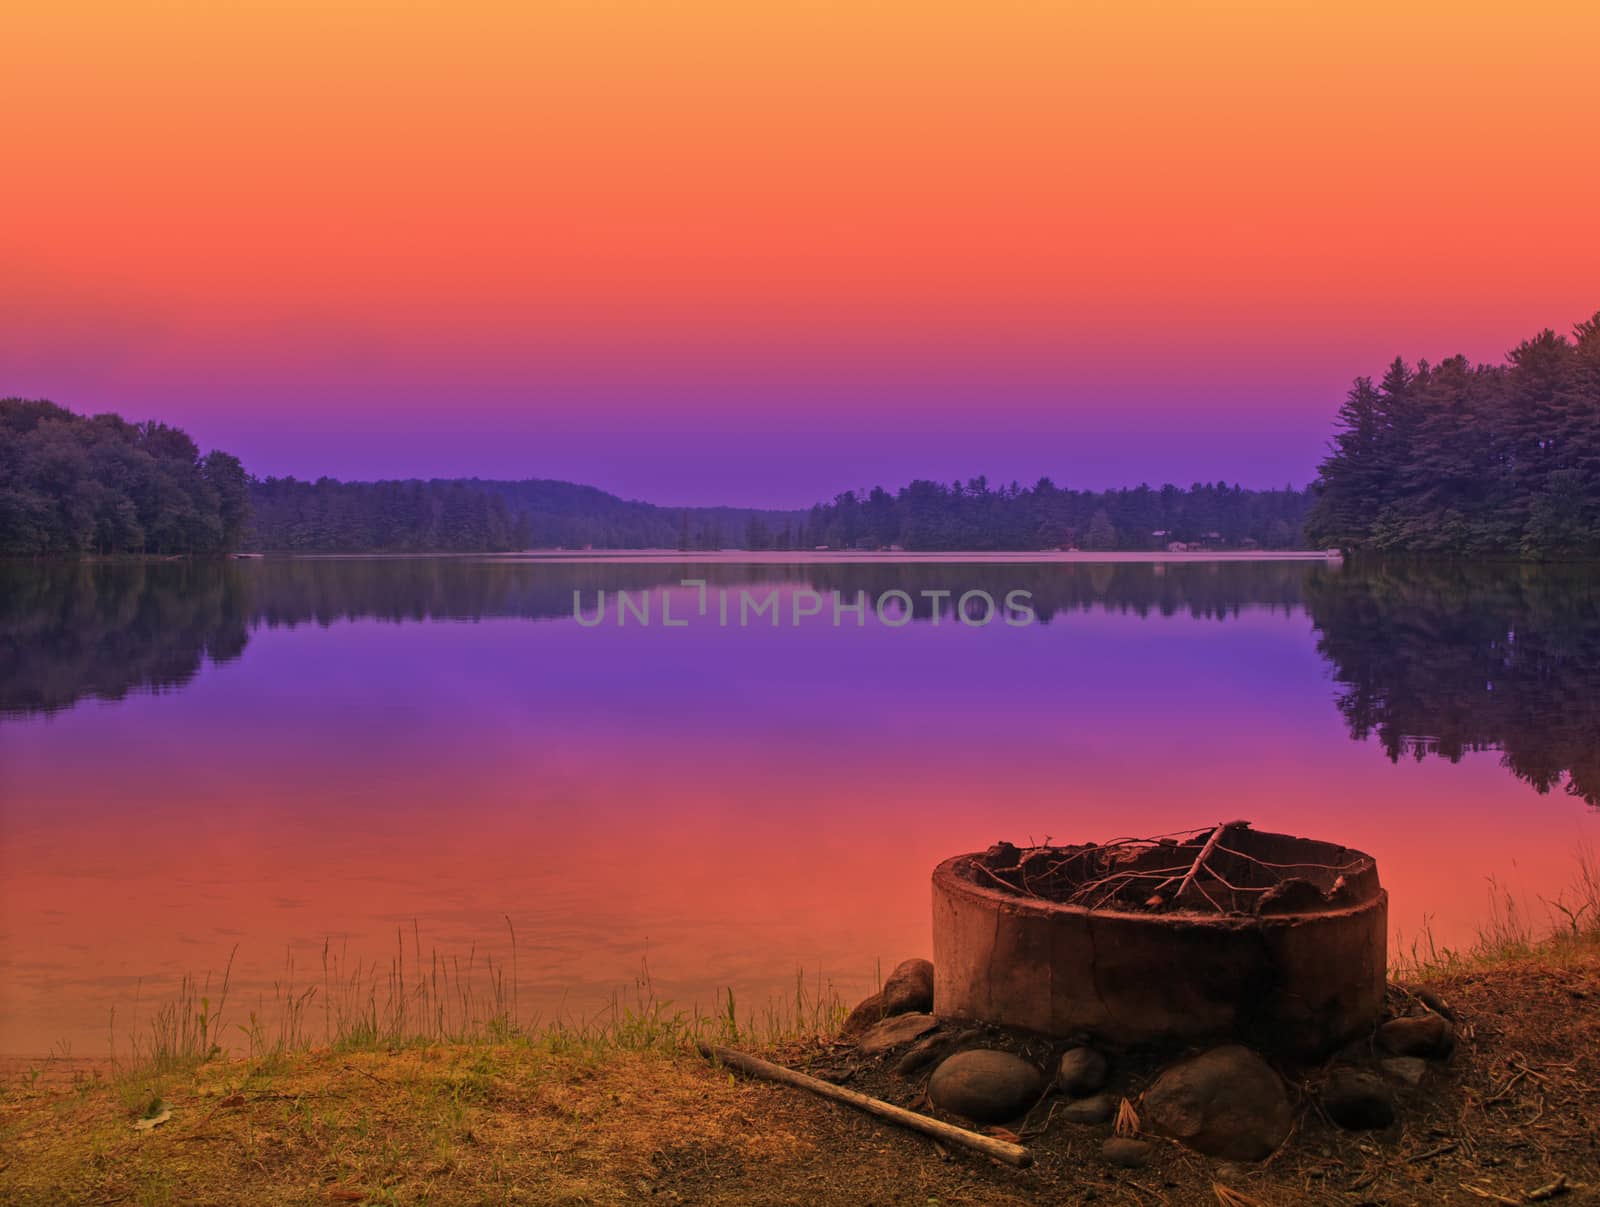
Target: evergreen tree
column 1461, row 460
column 1102, row 534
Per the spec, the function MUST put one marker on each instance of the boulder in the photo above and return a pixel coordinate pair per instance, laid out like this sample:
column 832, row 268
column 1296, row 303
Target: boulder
column 1082, row 1071
column 1097, row 1109
column 1427, row 1035
column 1358, row 1100
column 868, row 1011
column 985, row 1085
column 1126, row 1152
column 909, row 988
column 893, row 1032
column 1225, row 1103
column 1409, row 1069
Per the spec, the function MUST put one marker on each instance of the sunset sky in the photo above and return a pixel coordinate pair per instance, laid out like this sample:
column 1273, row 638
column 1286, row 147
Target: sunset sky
column 761, row 252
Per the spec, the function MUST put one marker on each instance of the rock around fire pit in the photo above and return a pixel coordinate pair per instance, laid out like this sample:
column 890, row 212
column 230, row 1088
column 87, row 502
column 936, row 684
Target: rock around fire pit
column 1217, row 933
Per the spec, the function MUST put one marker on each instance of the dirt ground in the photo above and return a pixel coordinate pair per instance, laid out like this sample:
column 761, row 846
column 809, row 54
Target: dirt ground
column 1516, row 1109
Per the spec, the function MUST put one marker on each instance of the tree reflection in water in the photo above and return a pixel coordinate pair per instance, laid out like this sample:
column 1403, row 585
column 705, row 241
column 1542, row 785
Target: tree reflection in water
column 1444, row 660
column 1430, row 659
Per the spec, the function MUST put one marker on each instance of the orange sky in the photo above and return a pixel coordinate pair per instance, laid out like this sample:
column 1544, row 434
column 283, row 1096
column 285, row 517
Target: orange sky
column 348, row 197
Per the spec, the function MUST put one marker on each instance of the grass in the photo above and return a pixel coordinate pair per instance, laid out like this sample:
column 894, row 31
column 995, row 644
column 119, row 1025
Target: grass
column 423, row 998
column 419, row 1081
column 1513, row 930
column 381, row 1083
column 522, row 1120
column 433, row 999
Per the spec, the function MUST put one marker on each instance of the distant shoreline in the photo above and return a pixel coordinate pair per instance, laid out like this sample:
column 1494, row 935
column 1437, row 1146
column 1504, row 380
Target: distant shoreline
column 901, row 557
column 794, row 557
column 770, row 557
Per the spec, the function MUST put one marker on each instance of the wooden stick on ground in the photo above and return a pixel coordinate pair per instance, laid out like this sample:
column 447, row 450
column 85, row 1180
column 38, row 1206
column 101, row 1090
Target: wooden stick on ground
column 1000, row 1150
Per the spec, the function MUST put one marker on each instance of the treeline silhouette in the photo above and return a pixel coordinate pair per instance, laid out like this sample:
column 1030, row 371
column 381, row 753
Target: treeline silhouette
column 1447, row 659
column 412, row 516
column 470, row 514
column 569, row 516
column 1456, row 459
column 934, row 516
column 72, row 484
column 76, row 484
column 452, row 515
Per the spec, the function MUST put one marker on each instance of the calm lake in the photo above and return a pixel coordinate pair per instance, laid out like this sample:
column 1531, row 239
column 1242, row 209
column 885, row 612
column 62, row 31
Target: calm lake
column 271, row 754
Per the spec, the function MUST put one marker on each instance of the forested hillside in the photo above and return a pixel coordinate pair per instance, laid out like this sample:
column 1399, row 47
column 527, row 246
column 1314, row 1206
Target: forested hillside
column 1460, row 459
column 412, row 516
column 78, row 485
column 470, row 514
column 466, row 514
column 1445, row 459
column 75, row 484
column 573, row 516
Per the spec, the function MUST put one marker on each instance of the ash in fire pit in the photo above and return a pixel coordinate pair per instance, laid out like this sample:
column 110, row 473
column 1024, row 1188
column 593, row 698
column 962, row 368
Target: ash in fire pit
column 1221, row 932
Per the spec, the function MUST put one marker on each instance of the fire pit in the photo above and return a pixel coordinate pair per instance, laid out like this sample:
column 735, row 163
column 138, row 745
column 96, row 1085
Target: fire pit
column 1216, row 933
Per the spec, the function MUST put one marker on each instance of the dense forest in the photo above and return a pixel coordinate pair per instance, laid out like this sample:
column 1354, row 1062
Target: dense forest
column 80, row 485
column 1456, row 459
column 1443, row 459
column 71, row 484
column 933, row 516
column 472, row 514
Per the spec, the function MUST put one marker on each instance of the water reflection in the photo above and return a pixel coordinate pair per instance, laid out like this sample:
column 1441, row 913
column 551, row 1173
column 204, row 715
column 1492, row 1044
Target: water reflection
column 1447, row 660
column 1429, row 660
column 70, row 632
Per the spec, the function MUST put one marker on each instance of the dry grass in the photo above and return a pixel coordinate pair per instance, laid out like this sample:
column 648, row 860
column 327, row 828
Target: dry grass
column 1552, row 930
column 429, row 998
column 423, row 1086
column 510, row 1122
column 547, row 1120
column 419, row 1081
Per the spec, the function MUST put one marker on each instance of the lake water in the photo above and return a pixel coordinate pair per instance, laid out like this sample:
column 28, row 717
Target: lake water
column 273, row 753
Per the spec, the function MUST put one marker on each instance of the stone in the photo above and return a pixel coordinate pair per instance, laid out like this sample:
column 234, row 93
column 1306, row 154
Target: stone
column 1082, row 1071
column 1226, row 1103
column 930, row 1049
column 1426, row 1035
column 1358, row 1100
column 895, row 1032
column 908, row 989
column 1409, row 1069
column 985, row 1085
column 868, row 1012
column 1429, row 999
column 1097, row 1109
column 1126, row 1152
